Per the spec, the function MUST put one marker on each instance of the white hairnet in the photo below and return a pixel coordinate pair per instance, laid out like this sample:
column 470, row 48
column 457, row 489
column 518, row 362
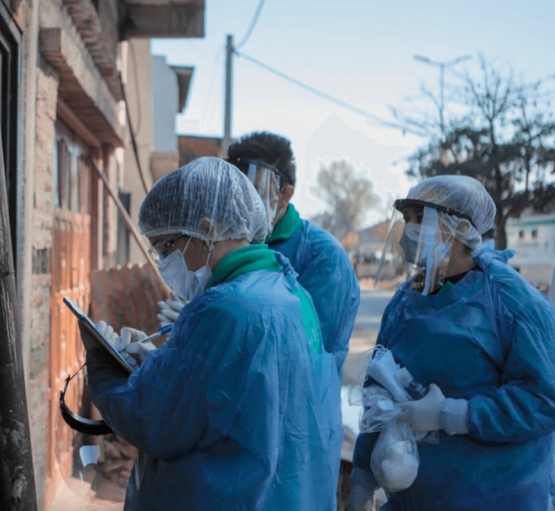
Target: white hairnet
column 464, row 195
column 208, row 199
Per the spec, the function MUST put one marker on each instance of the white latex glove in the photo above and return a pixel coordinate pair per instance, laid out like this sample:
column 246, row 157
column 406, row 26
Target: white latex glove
column 106, row 331
column 170, row 309
column 423, row 414
column 361, row 498
column 127, row 344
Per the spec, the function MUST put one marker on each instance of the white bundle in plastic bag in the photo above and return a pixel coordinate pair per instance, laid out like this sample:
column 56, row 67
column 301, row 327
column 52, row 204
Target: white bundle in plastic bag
column 378, row 407
column 395, row 457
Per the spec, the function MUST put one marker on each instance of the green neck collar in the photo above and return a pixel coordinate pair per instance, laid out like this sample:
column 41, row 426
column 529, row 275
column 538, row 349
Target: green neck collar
column 290, row 222
column 244, row 260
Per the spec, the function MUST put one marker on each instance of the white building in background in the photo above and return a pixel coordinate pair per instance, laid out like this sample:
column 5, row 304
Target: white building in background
column 533, row 238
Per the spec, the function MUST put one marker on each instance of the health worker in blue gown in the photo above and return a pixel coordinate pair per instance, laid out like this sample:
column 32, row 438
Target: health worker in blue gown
column 235, row 411
column 322, row 264
column 482, row 339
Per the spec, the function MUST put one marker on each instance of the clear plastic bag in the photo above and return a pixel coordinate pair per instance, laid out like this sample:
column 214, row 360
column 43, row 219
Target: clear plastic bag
column 382, row 367
column 378, row 408
column 395, row 459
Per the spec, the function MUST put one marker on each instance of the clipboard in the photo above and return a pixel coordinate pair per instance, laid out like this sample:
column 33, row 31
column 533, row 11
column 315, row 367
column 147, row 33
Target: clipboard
column 86, row 322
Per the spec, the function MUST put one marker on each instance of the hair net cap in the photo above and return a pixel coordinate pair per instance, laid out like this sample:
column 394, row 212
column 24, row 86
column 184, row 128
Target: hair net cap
column 208, row 199
column 461, row 193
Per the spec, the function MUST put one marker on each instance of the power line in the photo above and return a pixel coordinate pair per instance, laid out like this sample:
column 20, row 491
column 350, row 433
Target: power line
column 339, row 102
column 252, row 25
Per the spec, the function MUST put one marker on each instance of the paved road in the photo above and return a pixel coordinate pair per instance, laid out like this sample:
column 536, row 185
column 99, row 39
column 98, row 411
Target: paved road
column 367, row 325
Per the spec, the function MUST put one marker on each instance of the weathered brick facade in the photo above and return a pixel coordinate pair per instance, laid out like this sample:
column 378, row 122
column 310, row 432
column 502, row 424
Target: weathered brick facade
column 69, row 91
column 47, row 93
column 110, row 214
column 191, row 148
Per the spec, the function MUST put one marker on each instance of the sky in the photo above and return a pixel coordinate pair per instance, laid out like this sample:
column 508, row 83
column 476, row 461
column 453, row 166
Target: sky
column 360, row 52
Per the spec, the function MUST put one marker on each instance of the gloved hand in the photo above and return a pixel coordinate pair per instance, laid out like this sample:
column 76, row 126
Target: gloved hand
column 127, row 344
column 107, row 331
column 423, row 414
column 363, row 486
column 170, row 309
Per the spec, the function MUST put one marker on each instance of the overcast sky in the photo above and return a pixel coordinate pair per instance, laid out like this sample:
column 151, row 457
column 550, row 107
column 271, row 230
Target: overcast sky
column 358, row 51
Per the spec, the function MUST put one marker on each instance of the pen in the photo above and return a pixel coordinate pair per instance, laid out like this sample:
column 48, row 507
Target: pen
column 163, row 331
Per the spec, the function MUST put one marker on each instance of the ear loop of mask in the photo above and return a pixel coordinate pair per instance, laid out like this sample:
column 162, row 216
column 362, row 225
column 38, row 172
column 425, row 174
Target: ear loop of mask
column 209, row 251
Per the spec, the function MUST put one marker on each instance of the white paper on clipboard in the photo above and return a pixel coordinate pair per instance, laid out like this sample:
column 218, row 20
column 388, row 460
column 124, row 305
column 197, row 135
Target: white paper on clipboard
column 89, row 325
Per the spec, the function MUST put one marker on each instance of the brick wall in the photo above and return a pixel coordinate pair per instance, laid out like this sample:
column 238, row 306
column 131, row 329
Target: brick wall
column 110, row 215
column 47, row 94
column 191, row 148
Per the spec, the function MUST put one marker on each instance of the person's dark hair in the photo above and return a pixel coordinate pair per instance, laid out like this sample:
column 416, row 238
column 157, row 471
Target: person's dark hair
column 270, row 148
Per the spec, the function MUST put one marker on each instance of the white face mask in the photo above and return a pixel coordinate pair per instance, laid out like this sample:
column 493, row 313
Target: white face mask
column 185, row 282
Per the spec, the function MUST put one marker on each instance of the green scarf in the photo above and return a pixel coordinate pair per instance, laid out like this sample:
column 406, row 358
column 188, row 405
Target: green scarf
column 290, row 222
column 244, row 260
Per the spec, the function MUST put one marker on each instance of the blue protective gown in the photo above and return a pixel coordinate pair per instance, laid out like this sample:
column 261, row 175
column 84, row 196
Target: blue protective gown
column 326, row 273
column 238, row 410
column 489, row 339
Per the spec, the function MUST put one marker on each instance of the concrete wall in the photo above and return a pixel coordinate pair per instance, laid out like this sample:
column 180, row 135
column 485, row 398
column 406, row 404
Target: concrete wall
column 137, row 62
column 165, row 101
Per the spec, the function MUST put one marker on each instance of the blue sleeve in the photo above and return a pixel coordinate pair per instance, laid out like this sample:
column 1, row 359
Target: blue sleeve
column 523, row 408
column 187, row 390
column 329, row 277
column 150, row 409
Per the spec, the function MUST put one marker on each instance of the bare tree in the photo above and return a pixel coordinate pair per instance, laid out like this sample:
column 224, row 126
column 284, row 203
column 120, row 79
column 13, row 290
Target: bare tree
column 348, row 197
column 505, row 138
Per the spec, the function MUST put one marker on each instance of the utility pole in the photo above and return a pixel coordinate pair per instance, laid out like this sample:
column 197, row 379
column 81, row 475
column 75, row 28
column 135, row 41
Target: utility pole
column 17, row 480
column 442, row 66
column 228, row 96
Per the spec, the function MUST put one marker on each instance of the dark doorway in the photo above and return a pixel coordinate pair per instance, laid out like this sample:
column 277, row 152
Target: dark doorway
column 9, row 102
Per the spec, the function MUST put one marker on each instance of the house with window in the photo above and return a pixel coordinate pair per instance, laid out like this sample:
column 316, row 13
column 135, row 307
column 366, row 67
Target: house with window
column 532, row 236
column 66, row 68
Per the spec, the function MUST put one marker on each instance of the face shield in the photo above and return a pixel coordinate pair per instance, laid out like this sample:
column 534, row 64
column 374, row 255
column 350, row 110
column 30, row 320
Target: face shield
column 92, row 461
column 268, row 181
column 423, row 233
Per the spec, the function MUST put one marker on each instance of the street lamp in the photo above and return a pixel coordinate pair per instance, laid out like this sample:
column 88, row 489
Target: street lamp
column 442, row 66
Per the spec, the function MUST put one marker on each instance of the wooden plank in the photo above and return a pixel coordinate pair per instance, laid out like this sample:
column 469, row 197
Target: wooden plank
column 127, row 220
column 66, row 114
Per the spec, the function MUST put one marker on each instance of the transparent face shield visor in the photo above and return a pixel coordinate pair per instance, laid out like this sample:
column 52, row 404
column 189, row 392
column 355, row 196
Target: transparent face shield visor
column 268, row 182
column 418, row 245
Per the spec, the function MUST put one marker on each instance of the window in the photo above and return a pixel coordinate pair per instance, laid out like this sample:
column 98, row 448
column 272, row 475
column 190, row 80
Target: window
column 534, row 234
column 520, row 235
column 72, row 176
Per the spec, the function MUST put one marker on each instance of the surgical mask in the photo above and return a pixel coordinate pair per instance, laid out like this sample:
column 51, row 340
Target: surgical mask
column 409, row 244
column 184, row 282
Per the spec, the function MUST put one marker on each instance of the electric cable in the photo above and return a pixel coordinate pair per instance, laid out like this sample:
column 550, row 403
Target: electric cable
column 252, row 25
column 339, row 102
column 133, row 140
column 136, row 80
